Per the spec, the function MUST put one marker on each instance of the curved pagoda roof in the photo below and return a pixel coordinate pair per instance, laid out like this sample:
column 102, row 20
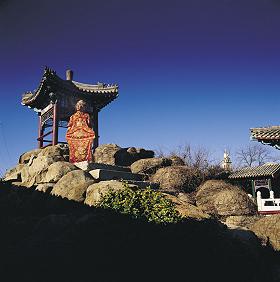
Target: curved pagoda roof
column 99, row 94
column 267, row 135
column 266, row 170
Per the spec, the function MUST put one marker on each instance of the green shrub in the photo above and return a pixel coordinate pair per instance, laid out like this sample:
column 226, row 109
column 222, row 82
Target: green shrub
column 144, row 203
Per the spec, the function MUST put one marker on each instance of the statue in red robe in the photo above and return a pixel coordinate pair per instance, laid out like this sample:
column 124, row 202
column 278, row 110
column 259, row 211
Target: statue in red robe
column 80, row 135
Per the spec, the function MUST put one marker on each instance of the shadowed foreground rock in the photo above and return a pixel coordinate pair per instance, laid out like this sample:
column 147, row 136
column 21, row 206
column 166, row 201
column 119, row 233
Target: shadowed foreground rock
column 268, row 229
column 45, row 238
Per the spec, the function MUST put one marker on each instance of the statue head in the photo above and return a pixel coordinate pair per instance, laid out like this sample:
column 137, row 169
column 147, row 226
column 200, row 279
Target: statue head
column 81, row 106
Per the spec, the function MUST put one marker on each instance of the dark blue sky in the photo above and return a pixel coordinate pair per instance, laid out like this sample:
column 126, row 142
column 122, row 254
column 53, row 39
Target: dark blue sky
column 189, row 71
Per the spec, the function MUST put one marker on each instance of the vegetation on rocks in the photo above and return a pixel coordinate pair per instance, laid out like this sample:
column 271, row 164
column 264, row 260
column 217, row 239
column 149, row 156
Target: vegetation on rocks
column 142, row 203
column 54, row 239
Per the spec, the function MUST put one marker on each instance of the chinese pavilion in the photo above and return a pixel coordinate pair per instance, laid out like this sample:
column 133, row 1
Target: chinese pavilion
column 267, row 135
column 55, row 99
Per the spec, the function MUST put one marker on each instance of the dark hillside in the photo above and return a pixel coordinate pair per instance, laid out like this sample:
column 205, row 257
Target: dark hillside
column 44, row 238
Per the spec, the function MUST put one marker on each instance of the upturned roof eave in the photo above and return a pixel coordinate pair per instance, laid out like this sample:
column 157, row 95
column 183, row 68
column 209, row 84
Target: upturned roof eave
column 108, row 94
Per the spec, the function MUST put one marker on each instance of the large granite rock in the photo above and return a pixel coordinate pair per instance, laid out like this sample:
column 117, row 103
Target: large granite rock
column 56, row 152
column 24, row 158
column 150, row 165
column 221, row 198
column 14, row 173
column 244, row 221
column 73, row 185
column 45, row 187
column 97, row 190
column 177, row 178
column 186, row 209
column 175, row 161
column 268, row 230
column 112, row 154
column 35, row 172
column 57, row 170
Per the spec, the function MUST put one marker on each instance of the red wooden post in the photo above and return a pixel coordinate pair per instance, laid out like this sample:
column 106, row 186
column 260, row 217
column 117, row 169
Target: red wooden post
column 95, row 128
column 40, row 132
column 55, row 124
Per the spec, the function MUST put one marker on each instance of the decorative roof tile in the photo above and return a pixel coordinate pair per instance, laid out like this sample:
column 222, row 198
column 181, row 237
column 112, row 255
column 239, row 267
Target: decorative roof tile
column 266, row 170
column 101, row 93
column 265, row 133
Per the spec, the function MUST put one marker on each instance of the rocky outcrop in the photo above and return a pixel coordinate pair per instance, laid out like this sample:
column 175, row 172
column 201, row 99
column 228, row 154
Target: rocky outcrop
column 268, row 230
column 56, row 152
column 186, row 198
column 35, row 171
column 245, row 221
column 24, row 158
column 220, row 198
column 112, row 154
column 186, row 209
column 45, row 187
column 14, row 173
column 175, row 161
column 150, row 165
column 177, row 178
column 57, row 170
column 73, row 185
column 95, row 191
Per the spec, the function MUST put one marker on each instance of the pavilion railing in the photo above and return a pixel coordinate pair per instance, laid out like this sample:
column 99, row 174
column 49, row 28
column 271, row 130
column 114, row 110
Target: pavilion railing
column 268, row 206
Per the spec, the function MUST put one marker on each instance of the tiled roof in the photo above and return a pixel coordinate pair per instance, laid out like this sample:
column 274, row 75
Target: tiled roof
column 265, row 133
column 96, row 88
column 268, row 169
column 101, row 93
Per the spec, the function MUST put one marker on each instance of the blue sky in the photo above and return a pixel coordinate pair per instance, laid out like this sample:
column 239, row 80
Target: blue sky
column 189, row 71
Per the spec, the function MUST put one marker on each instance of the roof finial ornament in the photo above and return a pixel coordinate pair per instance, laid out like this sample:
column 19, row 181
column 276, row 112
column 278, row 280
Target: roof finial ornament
column 69, row 75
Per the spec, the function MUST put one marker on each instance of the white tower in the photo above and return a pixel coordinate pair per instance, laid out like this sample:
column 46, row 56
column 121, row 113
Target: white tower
column 226, row 163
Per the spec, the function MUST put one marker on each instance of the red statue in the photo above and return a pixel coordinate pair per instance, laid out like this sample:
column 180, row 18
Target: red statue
column 80, row 135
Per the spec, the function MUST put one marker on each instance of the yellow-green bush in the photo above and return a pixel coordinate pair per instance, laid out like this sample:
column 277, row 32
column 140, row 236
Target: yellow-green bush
column 144, row 203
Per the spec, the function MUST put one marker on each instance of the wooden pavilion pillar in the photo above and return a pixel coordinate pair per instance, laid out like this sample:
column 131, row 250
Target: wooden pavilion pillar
column 95, row 129
column 40, row 132
column 55, row 124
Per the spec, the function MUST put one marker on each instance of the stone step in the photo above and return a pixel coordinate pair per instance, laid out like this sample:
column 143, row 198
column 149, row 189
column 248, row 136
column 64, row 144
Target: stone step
column 143, row 184
column 105, row 174
column 92, row 166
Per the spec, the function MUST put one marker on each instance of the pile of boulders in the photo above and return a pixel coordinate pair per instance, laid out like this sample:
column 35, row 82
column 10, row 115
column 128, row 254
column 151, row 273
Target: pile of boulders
column 48, row 170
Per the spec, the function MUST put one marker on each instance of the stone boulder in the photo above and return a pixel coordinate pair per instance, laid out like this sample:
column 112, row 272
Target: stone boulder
column 97, row 190
column 176, row 161
column 73, row 185
column 57, row 170
column 35, row 172
column 24, row 158
column 149, row 166
column 186, row 209
column 106, row 154
column 56, row 152
column 221, row 198
column 14, row 173
column 244, row 221
column 186, row 198
column 112, row 154
column 268, row 230
column 177, row 178
column 45, row 187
